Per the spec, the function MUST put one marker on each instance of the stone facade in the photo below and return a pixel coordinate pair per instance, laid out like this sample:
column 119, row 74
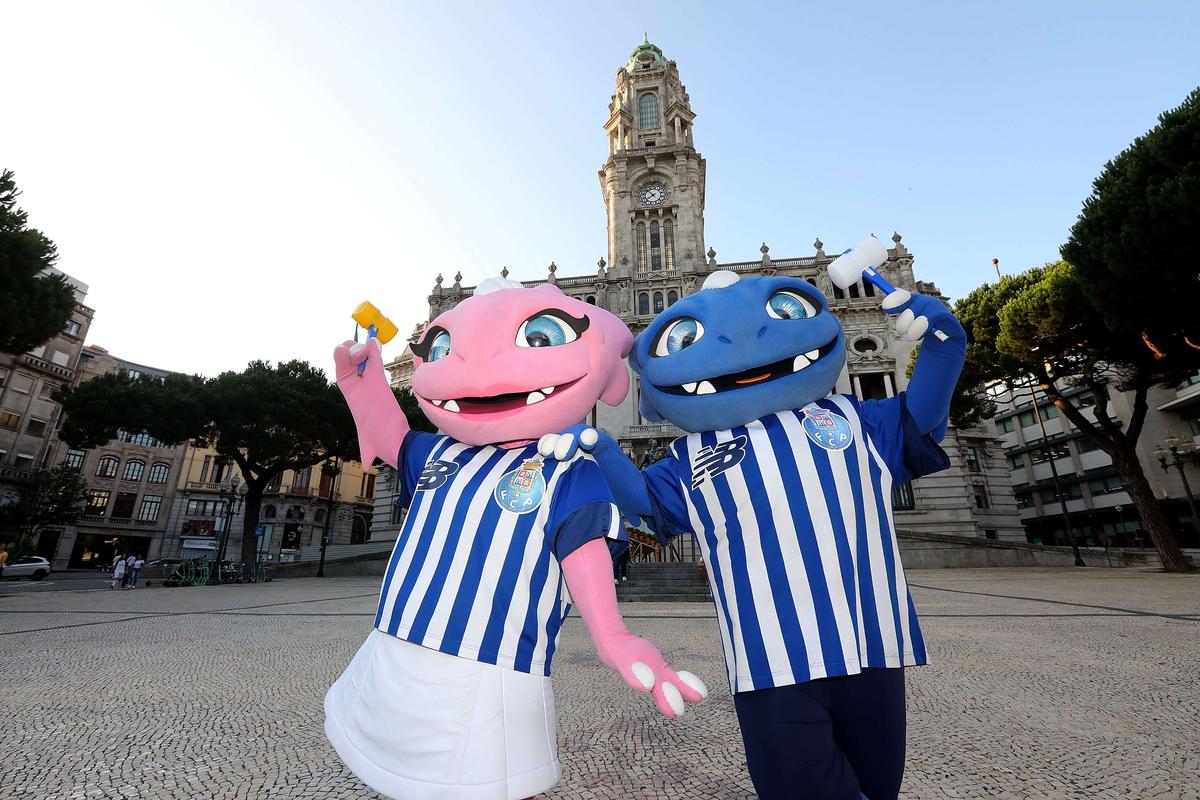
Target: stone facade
column 653, row 187
column 1099, row 509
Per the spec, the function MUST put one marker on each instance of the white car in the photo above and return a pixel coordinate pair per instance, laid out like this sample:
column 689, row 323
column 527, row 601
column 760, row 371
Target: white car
column 32, row 567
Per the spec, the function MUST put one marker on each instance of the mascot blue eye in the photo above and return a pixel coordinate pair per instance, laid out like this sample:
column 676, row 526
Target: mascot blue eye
column 679, row 334
column 545, row 330
column 790, row 305
column 440, row 348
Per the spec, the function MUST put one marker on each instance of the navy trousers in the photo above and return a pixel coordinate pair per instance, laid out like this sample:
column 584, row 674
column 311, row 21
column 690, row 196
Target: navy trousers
column 829, row 739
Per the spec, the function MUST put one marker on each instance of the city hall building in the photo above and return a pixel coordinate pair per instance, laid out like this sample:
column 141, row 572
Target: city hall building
column 653, row 187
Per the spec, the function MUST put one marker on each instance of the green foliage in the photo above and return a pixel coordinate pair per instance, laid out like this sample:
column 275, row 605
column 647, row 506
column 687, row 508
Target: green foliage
column 53, row 496
column 33, row 306
column 1134, row 243
column 412, row 411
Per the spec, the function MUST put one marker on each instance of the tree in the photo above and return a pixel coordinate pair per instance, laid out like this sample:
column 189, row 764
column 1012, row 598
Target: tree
column 1042, row 324
column 266, row 419
column 1132, row 245
column 34, row 305
column 53, row 496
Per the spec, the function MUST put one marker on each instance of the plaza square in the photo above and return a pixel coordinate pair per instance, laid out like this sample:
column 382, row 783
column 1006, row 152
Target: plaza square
column 1044, row 683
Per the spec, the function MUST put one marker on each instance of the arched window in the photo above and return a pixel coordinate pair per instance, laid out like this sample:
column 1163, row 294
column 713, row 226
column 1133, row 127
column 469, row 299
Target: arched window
column 133, row 470
column 658, row 302
column 590, row 299
column 295, row 512
column 360, row 530
column 672, row 298
column 107, row 467
column 813, row 281
column 319, row 515
column 158, row 473
column 643, row 303
column 640, row 232
column 655, row 247
column 268, row 512
column 648, row 111
column 669, row 243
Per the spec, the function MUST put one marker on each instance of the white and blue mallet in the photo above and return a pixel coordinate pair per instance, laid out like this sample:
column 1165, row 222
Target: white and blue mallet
column 862, row 262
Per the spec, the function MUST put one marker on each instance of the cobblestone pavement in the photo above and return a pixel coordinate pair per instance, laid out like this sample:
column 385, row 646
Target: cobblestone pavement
column 1046, row 684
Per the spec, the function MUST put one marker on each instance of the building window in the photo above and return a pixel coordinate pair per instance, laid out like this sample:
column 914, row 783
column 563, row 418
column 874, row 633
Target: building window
column 973, row 459
column 10, row 419
column 902, row 497
column 981, row 497
column 319, row 515
column 74, row 459
column 133, row 470
column 107, row 467
column 21, row 383
column 648, row 111
column 397, row 514
column 990, row 533
column 273, row 484
column 268, row 512
column 23, row 461
column 868, row 289
column 1026, row 419
column 669, row 243
column 72, row 328
column 1055, row 451
column 368, row 486
column 220, row 470
column 1107, row 485
column 1071, row 491
column 149, row 510
column 123, row 505
column 1024, row 499
column 97, row 502
column 640, row 235
column 658, row 302
column 865, row 345
column 158, row 473
column 1005, row 425
column 204, row 469
column 300, row 478
column 295, row 512
column 672, row 298
column 61, row 358
column 140, row 439
column 1085, row 445
column 655, row 247
column 643, row 304
column 35, row 427
column 590, row 299
column 838, row 292
column 206, row 508
column 1016, row 462
column 872, row 385
column 48, row 390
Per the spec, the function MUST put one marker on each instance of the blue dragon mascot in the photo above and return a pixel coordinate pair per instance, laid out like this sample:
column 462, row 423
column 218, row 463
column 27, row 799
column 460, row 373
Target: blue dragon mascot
column 787, row 488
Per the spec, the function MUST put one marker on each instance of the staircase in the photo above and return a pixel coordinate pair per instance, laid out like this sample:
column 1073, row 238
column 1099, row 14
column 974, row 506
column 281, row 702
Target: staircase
column 675, row 582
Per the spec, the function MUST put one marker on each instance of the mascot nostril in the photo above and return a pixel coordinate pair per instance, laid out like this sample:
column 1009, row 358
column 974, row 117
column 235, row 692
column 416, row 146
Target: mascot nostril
column 450, row 695
column 787, row 489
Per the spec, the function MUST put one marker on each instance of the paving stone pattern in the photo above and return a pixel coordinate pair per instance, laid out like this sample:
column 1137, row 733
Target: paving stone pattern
column 1047, row 684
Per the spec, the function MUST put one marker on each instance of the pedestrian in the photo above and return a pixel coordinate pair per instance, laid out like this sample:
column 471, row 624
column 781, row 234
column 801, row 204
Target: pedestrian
column 118, row 576
column 129, row 562
column 136, row 570
column 623, row 564
column 3, row 557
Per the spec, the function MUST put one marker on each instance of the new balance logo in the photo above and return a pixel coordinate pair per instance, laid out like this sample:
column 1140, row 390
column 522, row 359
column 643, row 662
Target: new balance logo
column 709, row 462
column 435, row 475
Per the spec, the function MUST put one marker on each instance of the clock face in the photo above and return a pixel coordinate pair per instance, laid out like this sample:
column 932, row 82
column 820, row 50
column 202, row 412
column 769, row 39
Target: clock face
column 652, row 194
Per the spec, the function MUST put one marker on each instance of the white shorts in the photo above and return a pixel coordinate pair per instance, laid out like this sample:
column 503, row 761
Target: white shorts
column 417, row 724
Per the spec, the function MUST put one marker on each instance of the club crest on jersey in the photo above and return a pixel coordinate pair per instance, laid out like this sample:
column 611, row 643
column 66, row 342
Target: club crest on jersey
column 711, row 461
column 523, row 489
column 827, row 429
column 435, row 475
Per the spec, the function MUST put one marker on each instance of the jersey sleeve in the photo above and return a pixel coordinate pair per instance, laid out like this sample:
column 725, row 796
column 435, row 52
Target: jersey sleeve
column 669, row 516
column 414, row 452
column 908, row 453
column 582, row 509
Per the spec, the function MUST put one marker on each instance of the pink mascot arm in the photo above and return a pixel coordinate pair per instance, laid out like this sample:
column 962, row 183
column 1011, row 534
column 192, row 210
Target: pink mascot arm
column 589, row 578
column 380, row 422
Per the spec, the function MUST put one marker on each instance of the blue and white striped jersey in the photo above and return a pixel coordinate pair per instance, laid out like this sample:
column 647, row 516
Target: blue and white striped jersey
column 793, row 513
column 475, row 570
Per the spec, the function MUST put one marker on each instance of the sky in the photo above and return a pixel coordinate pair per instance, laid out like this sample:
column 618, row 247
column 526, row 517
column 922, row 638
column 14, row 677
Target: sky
column 233, row 178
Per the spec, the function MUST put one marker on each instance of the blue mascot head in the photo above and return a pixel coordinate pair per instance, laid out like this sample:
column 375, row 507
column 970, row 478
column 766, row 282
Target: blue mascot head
column 737, row 350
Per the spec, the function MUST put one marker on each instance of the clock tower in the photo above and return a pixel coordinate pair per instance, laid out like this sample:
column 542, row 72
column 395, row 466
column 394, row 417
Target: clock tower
column 653, row 180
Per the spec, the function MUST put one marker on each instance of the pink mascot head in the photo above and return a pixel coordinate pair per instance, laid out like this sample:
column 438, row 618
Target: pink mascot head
column 511, row 363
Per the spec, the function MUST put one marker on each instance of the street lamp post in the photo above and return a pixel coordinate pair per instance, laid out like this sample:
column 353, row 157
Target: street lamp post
column 232, row 493
column 330, row 469
column 1176, row 453
column 1062, row 499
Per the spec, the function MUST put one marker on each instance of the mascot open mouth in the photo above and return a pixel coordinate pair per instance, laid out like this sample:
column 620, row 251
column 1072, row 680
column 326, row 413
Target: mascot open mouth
column 501, row 403
column 754, row 375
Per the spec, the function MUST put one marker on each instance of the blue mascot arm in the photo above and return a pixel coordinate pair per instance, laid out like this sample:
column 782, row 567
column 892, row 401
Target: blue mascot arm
column 627, row 483
column 943, row 351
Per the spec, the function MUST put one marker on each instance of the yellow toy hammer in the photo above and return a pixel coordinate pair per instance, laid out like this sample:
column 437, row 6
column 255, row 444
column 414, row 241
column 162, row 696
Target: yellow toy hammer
column 378, row 326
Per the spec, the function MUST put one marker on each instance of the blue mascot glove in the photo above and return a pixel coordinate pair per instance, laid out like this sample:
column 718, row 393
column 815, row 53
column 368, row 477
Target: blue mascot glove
column 918, row 313
column 566, row 445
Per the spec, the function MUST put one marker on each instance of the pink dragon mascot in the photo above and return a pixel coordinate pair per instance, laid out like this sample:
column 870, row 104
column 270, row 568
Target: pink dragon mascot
column 450, row 696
